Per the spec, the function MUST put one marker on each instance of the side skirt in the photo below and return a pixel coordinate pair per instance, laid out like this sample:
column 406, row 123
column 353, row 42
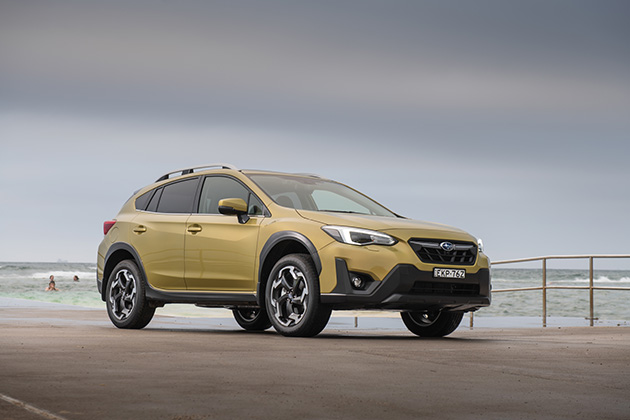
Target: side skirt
column 210, row 300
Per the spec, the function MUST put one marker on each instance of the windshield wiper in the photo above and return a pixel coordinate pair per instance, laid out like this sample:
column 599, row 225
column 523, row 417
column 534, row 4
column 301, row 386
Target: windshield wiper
column 345, row 211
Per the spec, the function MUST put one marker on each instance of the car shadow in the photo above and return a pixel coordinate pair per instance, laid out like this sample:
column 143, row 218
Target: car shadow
column 323, row 336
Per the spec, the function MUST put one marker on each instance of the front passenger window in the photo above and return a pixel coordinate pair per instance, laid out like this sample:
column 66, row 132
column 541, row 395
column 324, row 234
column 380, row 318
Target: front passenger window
column 216, row 188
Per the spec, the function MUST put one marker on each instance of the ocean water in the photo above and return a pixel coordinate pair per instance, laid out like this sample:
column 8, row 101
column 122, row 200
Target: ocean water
column 608, row 305
column 28, row 281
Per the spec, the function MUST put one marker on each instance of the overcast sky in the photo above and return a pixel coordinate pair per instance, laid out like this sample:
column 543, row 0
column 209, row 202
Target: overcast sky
column 508, row 119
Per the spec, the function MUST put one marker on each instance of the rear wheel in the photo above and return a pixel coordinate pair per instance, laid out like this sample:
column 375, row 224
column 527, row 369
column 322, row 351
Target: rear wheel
column 292, row 298
column 252, row 319
column 432, row 323
column 127, row 305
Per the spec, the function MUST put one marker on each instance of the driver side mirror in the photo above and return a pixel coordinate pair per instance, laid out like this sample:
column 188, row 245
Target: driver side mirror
column 234, row 206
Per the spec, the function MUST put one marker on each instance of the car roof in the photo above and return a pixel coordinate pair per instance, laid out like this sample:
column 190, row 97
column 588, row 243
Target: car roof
column 213, row 167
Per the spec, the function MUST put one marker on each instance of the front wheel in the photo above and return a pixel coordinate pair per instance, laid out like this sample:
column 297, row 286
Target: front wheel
column 127, row 306
column 432, row 323
column 292, row 298
column 252, row 319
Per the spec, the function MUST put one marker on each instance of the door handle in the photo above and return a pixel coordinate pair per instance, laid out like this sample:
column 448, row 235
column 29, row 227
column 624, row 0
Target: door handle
column 140, row 229
column 194, row 229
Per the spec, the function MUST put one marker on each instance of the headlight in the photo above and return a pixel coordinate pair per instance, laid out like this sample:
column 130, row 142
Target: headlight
column 356, row 236
column 480, row 244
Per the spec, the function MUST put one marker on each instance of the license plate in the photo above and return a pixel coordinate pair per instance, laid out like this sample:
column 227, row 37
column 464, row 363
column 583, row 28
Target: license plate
column 449, row 273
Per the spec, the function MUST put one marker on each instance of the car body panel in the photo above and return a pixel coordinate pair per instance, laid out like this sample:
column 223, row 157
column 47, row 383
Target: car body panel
column 222, row 256
column 161, row 246
column 380, row 223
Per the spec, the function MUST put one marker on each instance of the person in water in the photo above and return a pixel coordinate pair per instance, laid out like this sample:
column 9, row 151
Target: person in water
column 76, row 278
column 51, row 286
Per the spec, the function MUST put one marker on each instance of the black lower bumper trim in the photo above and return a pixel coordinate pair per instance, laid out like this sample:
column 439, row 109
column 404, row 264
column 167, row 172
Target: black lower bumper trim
column 407, row 288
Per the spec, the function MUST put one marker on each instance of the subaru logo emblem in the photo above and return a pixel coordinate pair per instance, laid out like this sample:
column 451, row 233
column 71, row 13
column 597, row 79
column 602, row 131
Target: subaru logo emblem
column 447, row 246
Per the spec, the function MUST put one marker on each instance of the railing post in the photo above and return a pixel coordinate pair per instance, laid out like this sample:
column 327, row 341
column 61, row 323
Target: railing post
column 590, row 290
column 544, row 291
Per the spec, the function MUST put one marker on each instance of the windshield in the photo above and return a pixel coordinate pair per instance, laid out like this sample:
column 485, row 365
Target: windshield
column 304, row 193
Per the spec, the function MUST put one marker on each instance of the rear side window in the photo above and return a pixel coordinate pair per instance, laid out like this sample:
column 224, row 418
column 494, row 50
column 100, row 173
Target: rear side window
column 177, row 197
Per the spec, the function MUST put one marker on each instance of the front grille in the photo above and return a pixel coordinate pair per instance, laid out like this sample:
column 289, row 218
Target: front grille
column 430, row 251
column 445, row 289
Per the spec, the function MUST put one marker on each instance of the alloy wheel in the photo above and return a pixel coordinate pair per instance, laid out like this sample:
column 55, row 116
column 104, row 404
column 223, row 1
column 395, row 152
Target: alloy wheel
column 289, row 296
column 122, row 294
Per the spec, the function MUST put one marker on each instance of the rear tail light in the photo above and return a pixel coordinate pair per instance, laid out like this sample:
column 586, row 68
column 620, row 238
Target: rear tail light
column 108, row 225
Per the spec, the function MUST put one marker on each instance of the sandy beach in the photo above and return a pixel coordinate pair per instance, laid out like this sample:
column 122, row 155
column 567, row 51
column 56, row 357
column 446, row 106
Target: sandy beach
column 64, row 362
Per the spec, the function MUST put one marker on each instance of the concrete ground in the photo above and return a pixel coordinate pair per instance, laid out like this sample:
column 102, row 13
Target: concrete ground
column 68, row 363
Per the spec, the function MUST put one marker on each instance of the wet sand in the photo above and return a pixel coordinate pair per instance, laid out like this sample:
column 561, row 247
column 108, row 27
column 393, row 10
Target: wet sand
column 71, row 363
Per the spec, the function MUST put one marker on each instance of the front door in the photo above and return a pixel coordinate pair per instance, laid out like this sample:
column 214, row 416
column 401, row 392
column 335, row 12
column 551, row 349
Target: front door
column 221, row 253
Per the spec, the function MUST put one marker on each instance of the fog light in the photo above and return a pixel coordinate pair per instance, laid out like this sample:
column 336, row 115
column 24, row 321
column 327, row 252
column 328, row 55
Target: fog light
column 357, row 282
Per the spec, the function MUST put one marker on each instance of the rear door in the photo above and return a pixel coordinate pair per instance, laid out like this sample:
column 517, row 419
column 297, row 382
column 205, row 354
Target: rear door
column 159, row 233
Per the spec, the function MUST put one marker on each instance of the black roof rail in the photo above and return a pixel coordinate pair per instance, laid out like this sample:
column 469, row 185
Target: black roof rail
column 191, row 170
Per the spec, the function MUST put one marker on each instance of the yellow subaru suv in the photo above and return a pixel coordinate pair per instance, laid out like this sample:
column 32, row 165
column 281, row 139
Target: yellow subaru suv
column 283, row 250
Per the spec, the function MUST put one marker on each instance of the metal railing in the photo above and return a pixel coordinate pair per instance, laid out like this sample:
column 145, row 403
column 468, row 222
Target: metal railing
column 544, row 287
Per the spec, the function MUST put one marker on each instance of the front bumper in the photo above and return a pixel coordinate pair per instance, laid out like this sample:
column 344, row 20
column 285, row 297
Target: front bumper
column 408, row 288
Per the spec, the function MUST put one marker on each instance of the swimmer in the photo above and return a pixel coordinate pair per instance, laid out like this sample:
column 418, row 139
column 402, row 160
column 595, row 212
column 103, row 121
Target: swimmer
column 51, row 286
column 76, row 278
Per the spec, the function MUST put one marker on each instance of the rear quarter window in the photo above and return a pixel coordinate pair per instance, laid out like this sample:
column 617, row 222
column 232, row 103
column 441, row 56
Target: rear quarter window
column 143, row 200
column 155, row 200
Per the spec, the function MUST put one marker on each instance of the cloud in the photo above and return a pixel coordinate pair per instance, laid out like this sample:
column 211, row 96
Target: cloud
column 489, row 115
column 375, row 61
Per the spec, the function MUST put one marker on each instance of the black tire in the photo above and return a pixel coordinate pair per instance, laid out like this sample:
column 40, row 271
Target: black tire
column 292, row 298
column 252, row 319
column 432, row 324
column 127, row 305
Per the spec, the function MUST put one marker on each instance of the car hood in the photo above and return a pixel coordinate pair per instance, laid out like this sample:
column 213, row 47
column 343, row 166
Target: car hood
column 401, row 228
